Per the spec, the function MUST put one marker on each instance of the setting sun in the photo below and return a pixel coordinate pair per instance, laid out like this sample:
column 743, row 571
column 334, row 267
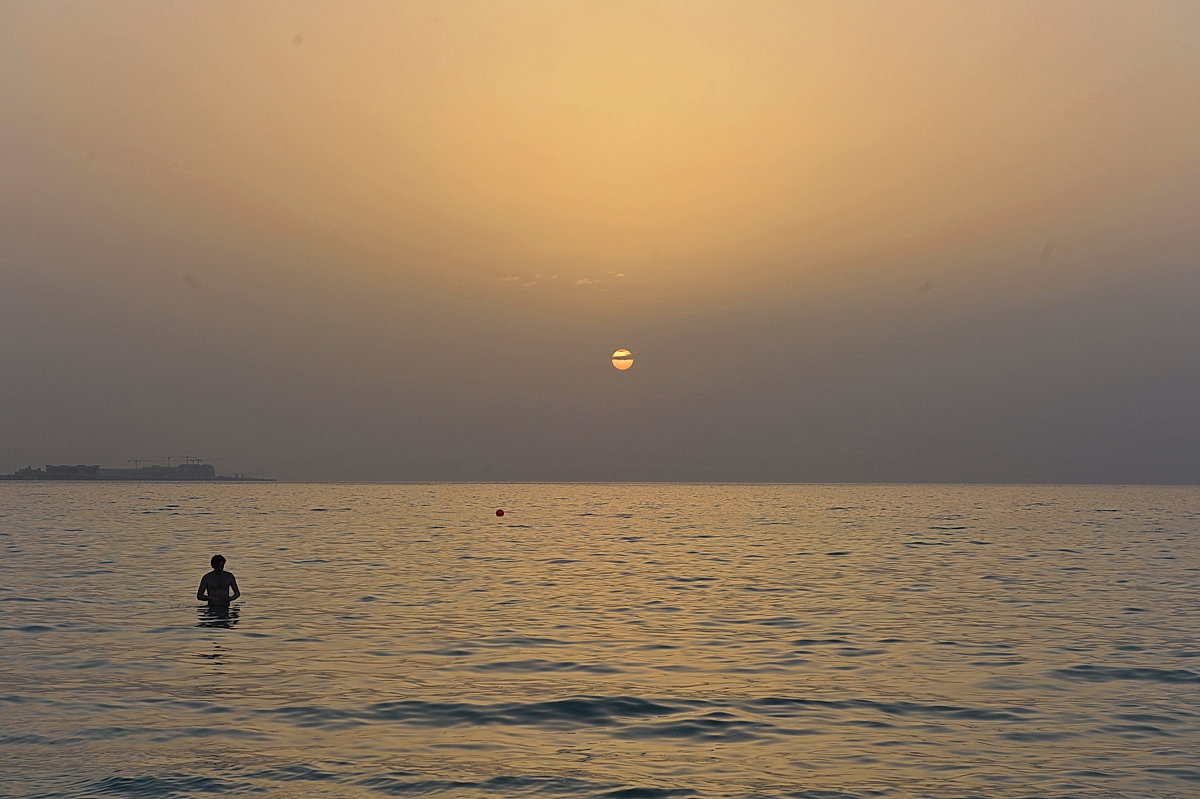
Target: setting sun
column 622, row 359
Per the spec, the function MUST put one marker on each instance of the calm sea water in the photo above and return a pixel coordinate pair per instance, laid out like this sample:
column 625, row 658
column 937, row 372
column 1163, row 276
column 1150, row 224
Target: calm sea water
column 823, row 642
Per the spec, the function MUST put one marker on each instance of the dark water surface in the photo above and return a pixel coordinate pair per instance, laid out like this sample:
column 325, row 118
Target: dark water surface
column 824, row 642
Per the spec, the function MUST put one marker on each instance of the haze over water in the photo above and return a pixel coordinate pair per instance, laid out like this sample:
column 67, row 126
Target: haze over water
column 644, row 640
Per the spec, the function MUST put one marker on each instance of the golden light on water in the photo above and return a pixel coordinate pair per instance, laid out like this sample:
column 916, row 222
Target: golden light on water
column 622, row 359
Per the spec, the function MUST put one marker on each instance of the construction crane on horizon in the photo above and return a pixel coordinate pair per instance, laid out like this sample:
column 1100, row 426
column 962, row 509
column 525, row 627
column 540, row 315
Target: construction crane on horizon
column 184, row 458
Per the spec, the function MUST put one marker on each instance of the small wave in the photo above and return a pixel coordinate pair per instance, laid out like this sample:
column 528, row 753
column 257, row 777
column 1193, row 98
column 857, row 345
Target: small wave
column 1137, row 730
column 1034, row 736
column 768, row 621
column 1181, row 772
column 834, row 794
column 538, row 665
column 1147, row 718
column 673, row 718
column 294, row 772
column 704, row 729
column 778, row 705
column 855, row 652
column 1087, row 673
column 577, row 711
column 169, row 785
column 401, row 783
column 521, row 640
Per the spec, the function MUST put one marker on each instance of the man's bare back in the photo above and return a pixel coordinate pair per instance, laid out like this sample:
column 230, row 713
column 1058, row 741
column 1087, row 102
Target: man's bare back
column 216, row 585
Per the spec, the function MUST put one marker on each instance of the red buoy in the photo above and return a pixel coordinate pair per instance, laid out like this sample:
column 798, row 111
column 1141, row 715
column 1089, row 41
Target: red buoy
column 500, row 512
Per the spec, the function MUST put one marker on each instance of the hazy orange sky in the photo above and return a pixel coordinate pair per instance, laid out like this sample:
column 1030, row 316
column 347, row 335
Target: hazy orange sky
column 844, row 241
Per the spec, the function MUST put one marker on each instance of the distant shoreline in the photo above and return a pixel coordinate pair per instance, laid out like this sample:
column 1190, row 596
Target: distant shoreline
column 193, row 471
column 10, row 478
column 13, row 479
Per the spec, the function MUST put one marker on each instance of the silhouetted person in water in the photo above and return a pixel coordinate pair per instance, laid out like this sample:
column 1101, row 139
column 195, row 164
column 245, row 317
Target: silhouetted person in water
column 215, row 585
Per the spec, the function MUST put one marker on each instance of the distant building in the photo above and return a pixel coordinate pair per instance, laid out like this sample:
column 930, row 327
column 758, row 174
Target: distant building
column 184, row 471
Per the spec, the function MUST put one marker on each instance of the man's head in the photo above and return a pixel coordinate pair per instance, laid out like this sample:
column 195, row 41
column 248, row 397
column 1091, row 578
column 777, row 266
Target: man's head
column 218, row 562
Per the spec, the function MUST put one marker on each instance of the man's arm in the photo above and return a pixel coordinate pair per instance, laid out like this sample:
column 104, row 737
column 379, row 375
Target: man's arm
column 237, row 592
column 202, row 591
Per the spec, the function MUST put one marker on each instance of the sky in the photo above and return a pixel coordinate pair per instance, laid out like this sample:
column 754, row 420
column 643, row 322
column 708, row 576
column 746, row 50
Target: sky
column 872, row 241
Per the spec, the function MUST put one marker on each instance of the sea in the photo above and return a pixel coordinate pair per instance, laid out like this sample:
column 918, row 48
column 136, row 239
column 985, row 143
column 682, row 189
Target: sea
column 630, row 641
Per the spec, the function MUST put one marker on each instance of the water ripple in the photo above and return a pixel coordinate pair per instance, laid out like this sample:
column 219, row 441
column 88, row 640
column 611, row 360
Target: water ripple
column 817, row 642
